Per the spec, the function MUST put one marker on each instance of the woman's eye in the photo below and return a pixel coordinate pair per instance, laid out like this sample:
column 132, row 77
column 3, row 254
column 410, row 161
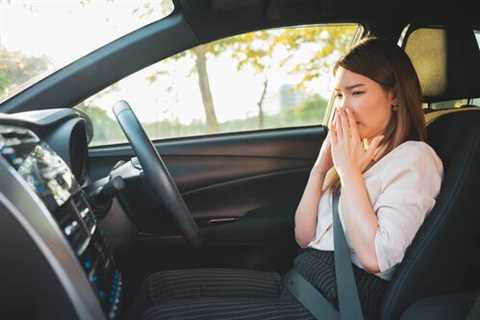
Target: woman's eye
column 338, row 95
column 356, row 93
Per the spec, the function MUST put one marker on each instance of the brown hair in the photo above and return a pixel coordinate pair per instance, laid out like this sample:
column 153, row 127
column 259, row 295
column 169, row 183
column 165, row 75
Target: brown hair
column 387, row 64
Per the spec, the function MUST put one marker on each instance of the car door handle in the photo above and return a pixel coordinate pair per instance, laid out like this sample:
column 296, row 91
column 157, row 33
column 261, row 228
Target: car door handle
column 222, row 220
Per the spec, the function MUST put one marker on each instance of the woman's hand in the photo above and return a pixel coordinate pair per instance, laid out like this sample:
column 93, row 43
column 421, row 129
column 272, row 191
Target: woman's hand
column 348, row 152
column 324, row 160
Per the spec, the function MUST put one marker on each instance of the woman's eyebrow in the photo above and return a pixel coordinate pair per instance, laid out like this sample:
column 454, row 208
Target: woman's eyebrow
column 353, row 86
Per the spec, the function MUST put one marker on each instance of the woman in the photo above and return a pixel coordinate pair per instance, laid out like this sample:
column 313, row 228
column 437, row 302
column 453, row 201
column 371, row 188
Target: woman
column 389, row 178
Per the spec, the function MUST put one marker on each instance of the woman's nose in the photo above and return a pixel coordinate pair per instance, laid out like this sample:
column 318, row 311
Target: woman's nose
column 343, row 103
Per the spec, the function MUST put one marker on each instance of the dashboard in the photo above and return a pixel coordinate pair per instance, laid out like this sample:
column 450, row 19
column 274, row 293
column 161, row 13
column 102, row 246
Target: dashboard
column 58, row 262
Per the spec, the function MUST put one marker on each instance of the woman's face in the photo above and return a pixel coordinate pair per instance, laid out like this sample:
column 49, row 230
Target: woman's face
column 369, row 102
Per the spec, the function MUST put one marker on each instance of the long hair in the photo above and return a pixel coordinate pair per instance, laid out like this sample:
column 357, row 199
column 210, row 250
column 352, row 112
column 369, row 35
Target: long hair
column 388, row 65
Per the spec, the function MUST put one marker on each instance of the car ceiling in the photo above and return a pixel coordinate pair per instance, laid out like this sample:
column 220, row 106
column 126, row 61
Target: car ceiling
column 199, row 21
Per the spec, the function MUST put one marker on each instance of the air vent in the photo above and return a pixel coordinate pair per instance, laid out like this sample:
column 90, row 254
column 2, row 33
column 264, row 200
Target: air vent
column 13, row 136
column 84, row 211
column 73, row 228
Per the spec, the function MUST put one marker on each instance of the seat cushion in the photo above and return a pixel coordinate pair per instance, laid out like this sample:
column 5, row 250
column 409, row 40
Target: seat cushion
column 194, row 283
column 227, row 308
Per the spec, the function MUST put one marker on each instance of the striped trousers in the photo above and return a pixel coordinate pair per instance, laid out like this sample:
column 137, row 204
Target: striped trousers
column 238, row 294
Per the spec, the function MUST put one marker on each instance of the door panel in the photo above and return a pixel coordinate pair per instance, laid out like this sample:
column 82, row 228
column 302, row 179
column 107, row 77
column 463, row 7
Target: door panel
column 242, row 189
column 286, row 144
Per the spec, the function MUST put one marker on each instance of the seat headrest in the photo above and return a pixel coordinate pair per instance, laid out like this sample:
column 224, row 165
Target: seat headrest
column 446, row 57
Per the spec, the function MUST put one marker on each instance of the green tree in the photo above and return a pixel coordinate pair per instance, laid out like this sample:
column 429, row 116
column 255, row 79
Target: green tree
column 333, row 41
column 201, row 53
column 200, row 56
column 106, row 129
column 258, row 50
column 17, row 68
column 312, row 108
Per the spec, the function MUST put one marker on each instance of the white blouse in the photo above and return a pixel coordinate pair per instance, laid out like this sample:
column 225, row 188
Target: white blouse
column 402, row 187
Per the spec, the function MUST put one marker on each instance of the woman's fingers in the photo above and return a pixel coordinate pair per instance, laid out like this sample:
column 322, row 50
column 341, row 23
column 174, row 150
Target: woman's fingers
column 338, row 124
column 373, row 148
column 345, row 125
column 333, row 132
column 353, row 126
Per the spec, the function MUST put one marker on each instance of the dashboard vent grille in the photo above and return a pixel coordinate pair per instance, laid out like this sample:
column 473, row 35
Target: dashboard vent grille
column 84, row 211
column 73, row 228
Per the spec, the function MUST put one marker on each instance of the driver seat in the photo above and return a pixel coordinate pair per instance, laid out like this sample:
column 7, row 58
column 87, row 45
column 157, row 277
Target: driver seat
column 443, row 255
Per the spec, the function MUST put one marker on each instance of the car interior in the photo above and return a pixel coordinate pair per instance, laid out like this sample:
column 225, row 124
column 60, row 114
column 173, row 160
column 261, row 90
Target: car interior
column 82, row 227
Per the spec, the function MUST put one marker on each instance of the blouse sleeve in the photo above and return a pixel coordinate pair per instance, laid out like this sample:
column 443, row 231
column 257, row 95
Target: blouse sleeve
column 408, row 195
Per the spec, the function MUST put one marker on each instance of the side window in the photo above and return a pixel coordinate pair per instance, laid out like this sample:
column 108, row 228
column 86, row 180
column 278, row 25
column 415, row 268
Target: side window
column 259, row 80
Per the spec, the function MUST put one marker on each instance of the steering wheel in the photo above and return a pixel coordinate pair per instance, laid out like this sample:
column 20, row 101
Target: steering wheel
column 156, row 173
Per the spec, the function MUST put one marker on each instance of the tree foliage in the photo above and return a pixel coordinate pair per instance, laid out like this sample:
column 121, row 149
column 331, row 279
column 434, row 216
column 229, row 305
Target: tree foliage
column 327, row 42
column 17, row 68
column 264, row 50
column 260, row 52
column 106, row 130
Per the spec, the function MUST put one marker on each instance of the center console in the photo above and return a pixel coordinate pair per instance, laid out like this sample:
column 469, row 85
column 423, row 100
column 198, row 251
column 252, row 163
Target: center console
column 48, row 176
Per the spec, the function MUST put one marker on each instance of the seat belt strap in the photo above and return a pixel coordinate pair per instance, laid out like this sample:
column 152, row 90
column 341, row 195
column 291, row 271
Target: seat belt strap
column 310, row 297
column 347, row 292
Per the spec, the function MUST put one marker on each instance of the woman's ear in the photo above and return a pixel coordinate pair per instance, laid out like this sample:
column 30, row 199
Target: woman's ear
column 392, row 96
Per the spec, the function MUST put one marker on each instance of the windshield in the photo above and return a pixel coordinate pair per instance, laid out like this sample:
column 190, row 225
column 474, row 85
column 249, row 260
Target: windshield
column 38, row 38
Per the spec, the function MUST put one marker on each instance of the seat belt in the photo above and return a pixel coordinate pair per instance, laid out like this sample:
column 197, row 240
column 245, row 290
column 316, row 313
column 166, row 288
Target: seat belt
column 347, row 293
column 310, row 297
